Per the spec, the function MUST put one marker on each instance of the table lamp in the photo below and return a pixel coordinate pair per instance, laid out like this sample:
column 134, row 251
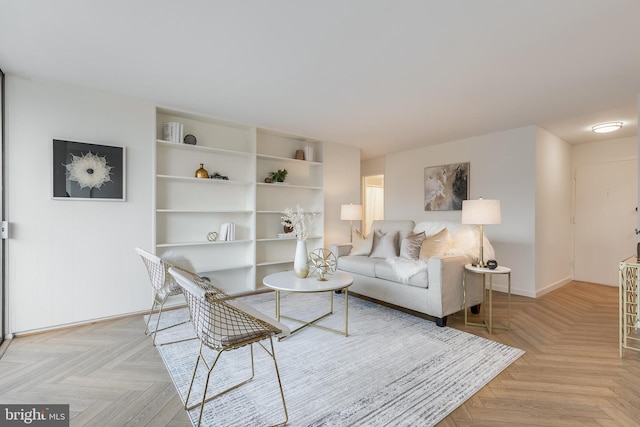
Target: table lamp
column 351, row 213
column 481, row 212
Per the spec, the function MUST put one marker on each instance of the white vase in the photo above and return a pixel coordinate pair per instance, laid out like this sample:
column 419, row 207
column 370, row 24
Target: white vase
column 300, row 266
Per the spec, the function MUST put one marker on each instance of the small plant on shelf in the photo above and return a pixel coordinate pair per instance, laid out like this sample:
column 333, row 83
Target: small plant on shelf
column 278, row 176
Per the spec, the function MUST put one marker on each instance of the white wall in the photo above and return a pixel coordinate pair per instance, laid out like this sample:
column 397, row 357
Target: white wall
column 502, row 167
column 71, row 261
column 553, row 212
column 612, row 150
column 373, row 166
column 74, row 261
column 341, row 187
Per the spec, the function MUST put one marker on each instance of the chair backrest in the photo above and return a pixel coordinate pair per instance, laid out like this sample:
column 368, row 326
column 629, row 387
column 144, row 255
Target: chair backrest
column 217, row 321
column 161, row 281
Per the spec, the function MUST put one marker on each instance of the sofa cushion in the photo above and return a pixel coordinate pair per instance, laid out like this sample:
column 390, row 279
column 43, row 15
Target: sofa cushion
column 384, row 245
column 410, row 245
column 361, row 245
column 362, row 265
column 436, row 245
column 385, row 270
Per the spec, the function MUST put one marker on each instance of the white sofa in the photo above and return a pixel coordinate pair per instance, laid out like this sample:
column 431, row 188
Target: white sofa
column 432, row 283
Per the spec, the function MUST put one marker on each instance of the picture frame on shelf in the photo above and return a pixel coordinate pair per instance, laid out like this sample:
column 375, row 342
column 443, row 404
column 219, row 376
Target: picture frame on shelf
column 87, row 171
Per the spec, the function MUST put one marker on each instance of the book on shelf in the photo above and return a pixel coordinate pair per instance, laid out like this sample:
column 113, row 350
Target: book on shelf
column 173, row 131
column 227, row 231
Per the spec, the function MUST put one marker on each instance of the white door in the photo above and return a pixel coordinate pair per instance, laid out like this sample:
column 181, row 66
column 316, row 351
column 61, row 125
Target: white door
column 605, row 219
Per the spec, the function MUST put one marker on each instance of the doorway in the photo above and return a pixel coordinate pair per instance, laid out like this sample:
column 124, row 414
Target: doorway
column 606, row 197
column 373, row 209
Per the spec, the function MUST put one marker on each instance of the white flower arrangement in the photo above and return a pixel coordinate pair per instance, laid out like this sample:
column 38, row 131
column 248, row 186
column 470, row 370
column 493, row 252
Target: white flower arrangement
column 299, row 221
column 89, row 170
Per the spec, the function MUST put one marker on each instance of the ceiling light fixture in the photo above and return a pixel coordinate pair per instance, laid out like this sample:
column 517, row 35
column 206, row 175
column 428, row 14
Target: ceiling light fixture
column 606, row 127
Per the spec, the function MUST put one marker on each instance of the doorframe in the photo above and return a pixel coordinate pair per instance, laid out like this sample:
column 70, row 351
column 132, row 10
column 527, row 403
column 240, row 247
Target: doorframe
column 3, row 292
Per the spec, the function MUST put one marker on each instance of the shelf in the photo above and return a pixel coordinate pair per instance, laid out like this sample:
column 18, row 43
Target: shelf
column 281, row 213
column 283, row 239
column 200, row 148
column 288, row 186
column 203, row 211
column 278, row 262
column 287, row 159
column 215, row 270
column 203, row 180
column 202, row 243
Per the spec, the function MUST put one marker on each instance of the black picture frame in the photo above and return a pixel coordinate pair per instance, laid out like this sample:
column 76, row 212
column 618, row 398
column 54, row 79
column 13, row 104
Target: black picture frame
column 86, row 171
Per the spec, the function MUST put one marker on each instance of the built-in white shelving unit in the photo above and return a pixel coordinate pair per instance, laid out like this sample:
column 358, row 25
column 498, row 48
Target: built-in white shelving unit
column 187, row 208
column 303, row 187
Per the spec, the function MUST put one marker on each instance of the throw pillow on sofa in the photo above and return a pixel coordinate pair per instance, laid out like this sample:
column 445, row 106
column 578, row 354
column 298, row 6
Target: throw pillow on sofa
column 436, row 245
column 410, row 246
column 361, row 245
column 384, row 245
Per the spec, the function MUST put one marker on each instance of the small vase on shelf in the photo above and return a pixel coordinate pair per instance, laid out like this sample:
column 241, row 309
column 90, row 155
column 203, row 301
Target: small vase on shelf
column 202, row 172
column 300, row 266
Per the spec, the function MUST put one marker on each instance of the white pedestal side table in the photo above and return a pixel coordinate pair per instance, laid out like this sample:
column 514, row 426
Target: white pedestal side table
column 469, row 268
column 287, row 281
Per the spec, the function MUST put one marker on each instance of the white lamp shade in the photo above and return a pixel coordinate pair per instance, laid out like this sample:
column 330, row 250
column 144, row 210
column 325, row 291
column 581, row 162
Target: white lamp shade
column 351, row 212
column 481, row 211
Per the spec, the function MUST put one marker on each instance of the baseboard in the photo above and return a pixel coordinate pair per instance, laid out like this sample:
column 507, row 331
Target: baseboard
column 553, row 287
column 89, row 322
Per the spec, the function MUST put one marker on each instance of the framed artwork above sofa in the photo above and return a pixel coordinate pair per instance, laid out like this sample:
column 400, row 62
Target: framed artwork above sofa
column 445, row 187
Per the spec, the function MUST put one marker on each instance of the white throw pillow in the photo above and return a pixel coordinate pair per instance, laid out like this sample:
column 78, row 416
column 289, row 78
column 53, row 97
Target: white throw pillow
column 361, row 245
column 384, row 245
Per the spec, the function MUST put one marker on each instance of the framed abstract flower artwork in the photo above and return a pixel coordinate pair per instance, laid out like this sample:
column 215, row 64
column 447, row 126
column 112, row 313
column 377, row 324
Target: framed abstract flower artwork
column 84, row 171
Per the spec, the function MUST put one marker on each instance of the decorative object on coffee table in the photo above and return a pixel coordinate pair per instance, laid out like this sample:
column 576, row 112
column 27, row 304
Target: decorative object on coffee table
column 299, row 220
column 322, row 262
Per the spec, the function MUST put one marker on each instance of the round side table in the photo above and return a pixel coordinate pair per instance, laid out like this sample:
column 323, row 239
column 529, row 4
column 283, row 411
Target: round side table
column 470, row 268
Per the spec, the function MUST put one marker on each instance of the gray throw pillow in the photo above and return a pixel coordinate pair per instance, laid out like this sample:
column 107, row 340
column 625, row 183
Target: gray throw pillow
column 410, row 246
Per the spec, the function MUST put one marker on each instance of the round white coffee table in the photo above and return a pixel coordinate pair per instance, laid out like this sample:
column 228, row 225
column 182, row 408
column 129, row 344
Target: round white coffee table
column 287, row 281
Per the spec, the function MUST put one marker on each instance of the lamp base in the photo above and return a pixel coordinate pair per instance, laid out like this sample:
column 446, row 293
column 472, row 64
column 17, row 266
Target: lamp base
column 479, row 265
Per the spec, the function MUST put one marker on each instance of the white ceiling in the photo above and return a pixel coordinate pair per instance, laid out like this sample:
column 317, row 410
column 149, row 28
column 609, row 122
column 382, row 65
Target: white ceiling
column 381, row 75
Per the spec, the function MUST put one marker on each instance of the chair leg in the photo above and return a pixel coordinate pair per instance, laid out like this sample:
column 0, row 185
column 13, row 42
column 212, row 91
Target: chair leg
column 206, row 399
column 146, row 328
column 155, row 331
column 193, row 377
column 160, row 304
column 272, row 353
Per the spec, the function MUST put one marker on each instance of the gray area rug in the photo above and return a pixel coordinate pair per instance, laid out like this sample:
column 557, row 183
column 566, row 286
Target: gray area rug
column 393, row 368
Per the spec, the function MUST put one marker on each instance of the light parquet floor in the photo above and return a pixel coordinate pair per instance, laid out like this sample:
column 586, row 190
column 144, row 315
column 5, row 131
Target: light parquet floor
column 571, row 375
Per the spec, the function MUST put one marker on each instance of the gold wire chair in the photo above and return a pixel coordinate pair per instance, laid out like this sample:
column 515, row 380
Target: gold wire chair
column 163, row 286
column 222, row 324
